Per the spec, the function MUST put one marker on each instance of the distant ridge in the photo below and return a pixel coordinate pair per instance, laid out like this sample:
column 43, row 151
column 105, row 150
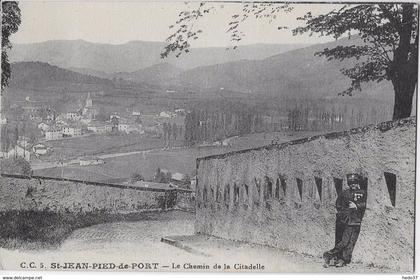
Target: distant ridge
column 297, row 73
column 134, row 55
column 156, row 74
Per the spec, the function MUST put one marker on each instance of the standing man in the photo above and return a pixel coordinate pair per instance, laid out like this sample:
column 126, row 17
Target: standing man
column 351, row 205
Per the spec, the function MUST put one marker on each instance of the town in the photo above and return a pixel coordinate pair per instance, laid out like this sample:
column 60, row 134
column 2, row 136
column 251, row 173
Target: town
column 40, row 130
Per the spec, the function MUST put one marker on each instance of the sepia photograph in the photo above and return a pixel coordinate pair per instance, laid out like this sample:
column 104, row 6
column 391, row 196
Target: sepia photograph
column 219, row 136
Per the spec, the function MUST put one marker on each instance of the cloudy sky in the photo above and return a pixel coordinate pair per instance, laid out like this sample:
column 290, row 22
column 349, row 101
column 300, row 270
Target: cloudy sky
column 119, row 22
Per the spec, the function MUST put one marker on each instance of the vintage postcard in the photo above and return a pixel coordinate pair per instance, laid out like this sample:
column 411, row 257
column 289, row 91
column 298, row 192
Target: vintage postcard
column 208, row 136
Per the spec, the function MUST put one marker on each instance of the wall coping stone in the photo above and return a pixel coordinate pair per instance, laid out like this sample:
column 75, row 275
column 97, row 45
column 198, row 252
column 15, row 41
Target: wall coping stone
column 17, row 176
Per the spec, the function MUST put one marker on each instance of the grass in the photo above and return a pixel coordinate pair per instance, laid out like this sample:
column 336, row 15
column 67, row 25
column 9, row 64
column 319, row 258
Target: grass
column 178, row 160
column 100, row 144
column 122, row 167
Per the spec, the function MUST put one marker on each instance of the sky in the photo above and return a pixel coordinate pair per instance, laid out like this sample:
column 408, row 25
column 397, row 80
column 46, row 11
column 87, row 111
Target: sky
column 115, row 22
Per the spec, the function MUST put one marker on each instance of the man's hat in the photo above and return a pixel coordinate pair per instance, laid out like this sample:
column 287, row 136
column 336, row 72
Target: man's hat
column 353, row 178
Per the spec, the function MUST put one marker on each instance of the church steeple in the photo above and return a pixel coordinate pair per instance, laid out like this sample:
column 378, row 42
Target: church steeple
column 89, row 102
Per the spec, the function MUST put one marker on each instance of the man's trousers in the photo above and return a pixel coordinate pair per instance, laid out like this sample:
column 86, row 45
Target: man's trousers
column 344, row 246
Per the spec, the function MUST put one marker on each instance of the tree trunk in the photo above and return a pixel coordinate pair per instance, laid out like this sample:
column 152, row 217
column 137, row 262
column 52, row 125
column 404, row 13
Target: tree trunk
column 404, row 69
column 404, row 88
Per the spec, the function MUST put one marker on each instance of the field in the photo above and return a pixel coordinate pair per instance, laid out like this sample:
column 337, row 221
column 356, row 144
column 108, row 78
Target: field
column 75, row 147
column 181, row 160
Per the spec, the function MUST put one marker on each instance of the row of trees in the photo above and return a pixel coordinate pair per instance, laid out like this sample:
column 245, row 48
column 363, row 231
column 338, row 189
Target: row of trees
column 171, row 132
column 10, row 135
column 203, row 125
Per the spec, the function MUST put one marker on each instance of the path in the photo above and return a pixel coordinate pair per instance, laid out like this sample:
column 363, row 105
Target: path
column 140, row 242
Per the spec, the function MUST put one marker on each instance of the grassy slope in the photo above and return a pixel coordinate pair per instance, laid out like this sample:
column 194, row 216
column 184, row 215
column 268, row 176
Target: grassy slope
column 47, row 229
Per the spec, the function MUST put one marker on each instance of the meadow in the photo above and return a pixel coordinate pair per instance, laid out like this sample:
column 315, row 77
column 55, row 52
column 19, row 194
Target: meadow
column 71, row 148
column 182, row 159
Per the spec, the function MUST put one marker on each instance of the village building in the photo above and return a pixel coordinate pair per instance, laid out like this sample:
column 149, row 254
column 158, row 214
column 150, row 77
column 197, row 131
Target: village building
column 40, row 149
column 73, row 116
column 177, row 176
column 71, row 131
column 150, row 185
column 85, row 121
column 90, row 161
column 180, row 180
column 53, row 133
column 123, row 127
column 59, row 122
column 43, row 126
column 51, row 115
column 114, row 117
column 180, row 111
column 167, row 114
column 130, row 128
column 100, row 128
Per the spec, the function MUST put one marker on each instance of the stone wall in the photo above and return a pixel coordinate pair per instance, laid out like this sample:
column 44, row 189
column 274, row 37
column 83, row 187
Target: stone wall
column 42, row 193
column 283, row 195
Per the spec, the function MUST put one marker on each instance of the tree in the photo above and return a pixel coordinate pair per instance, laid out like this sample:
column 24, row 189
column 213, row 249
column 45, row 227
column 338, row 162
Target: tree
column 136, row 177
column 174, row 131
column 16, row 165
column 387, row 50
column 114, row 122
column 32, row 138
column 162, row 176
column 16, row 135
column 10, row 24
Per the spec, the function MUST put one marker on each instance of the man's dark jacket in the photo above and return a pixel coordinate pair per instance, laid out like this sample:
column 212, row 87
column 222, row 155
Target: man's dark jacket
column 351, row 216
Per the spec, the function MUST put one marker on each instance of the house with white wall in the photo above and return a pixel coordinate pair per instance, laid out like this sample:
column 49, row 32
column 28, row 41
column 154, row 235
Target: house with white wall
column 71, row 131
column 53, row 133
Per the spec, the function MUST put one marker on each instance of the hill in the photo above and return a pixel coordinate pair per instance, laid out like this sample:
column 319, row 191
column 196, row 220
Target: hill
column 43, row 76
column 157, row 74
column 297, row 73
column 132, row 56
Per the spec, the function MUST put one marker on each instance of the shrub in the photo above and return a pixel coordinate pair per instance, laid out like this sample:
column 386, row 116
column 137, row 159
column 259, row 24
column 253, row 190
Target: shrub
column 135, row 177
column 16, row 165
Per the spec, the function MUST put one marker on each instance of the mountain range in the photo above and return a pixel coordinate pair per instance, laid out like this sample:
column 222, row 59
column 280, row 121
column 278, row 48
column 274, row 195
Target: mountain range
column 297, row 72
column 134, row 55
